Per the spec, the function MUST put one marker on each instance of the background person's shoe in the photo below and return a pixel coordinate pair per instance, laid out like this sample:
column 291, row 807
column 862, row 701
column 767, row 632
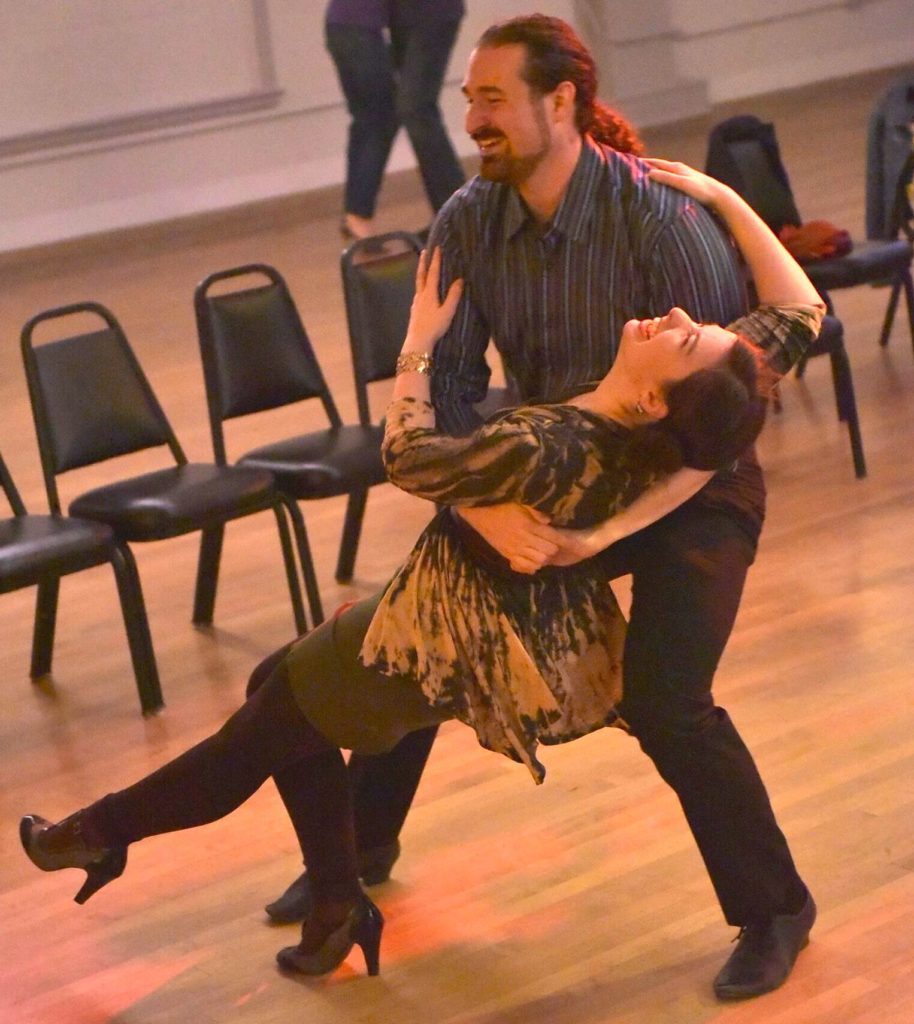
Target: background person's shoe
column 295, row 903
column 765, row 954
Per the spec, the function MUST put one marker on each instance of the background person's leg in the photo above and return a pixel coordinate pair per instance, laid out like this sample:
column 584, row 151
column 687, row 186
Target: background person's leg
column 363, row 64
column 420, row 55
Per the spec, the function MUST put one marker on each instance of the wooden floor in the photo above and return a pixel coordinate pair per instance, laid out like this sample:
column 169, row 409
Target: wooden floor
column 579, row 902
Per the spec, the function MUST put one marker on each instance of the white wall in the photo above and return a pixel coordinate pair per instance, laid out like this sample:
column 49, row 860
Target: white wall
column 128, row 113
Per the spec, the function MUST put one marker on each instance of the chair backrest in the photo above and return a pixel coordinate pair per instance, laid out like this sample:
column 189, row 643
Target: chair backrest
column 889, row 163
column 255, row 350
column 902, row 221
column 743, row 152
column 379, row 282
column 9, row 489
column 91, row 400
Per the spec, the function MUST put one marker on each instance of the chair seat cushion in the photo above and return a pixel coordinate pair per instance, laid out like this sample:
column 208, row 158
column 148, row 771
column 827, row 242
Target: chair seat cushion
column 177, row 500
column 866, row 263
column 324, row 463
column 33, row 547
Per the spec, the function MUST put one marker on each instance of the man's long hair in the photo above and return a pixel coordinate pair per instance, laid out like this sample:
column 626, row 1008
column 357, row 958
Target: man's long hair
column 556, row 54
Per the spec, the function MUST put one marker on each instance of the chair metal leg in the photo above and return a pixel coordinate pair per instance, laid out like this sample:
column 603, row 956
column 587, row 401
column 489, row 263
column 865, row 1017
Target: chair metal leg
column 45, row 623
column 137, row 624
column 890, row 309
column 352, row 529
column 908, row 284
column 840, row 380
column 847, row 407
column 207, row 574
column 306, row 562
column 288, row 557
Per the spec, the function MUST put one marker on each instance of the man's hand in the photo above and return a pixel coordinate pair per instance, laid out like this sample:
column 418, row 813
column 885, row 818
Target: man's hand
column 520, row 534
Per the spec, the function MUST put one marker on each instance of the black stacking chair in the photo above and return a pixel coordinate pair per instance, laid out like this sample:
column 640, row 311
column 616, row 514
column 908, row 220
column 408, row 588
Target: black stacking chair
column 37, row 550
column 379, row 281
column 743, row 152
column 889, row 160
column 91, row 401
column 889, row 173
column 831, row 343
column 257, row 356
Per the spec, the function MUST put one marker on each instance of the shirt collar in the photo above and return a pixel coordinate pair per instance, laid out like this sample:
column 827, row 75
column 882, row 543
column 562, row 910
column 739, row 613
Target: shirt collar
column 577, row 205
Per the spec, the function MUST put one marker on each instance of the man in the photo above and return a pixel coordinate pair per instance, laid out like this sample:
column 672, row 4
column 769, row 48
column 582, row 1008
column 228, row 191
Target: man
column 560, row 240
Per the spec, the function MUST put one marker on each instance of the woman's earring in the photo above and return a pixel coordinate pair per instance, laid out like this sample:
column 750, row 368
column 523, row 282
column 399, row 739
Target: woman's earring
column 639, row 408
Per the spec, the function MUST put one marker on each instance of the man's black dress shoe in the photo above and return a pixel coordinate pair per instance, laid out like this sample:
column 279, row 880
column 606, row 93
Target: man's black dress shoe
column 765, row 954
column 295, row 903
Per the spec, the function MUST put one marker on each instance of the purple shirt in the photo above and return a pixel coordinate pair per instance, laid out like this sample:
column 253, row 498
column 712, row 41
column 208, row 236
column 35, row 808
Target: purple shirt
column 376, row 14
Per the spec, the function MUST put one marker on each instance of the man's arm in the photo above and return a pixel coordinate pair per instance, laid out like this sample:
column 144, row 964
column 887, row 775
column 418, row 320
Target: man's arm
column 520, row 534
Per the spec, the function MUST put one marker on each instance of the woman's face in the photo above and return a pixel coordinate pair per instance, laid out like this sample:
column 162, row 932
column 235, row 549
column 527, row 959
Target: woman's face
column 666, row 349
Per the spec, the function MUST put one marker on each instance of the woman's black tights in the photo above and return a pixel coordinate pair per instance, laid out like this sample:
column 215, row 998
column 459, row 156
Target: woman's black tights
column 267, row 736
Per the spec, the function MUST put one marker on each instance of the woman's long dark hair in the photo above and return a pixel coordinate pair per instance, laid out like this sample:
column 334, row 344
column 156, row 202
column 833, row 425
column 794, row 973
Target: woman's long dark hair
column 713, row 415
column 556, row 54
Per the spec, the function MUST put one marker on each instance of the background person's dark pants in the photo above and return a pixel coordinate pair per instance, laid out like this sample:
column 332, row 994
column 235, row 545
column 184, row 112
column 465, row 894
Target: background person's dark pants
column 387, row 85
column 688, row 574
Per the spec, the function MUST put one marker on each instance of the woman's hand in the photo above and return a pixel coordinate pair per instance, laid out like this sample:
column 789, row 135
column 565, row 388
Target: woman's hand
column 707, row 190
column 576, row 545
column 429, row 318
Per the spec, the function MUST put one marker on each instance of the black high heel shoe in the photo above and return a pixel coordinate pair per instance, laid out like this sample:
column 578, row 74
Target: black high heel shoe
column 52, row 847
column 362, row 927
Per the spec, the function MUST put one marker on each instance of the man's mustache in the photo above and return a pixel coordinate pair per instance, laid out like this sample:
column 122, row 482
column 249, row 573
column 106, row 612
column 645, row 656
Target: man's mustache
column 486, row 134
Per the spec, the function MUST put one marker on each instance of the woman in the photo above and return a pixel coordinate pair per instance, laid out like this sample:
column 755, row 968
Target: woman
column 522, row 659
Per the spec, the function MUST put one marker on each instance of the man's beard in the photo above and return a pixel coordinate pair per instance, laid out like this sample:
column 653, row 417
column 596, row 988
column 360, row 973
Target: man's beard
column 509, row 168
